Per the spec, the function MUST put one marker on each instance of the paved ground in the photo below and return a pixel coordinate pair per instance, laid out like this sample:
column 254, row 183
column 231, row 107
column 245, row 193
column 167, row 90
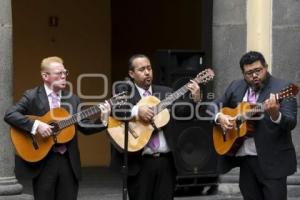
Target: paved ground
column 103, row 184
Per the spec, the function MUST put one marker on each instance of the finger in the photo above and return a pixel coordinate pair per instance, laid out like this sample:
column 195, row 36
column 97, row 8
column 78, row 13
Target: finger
column 44, row 134
column 49, row 132
column 150, row 115
column 51, row 127
column 193, row 82
column 273, row 98
column 190, row 86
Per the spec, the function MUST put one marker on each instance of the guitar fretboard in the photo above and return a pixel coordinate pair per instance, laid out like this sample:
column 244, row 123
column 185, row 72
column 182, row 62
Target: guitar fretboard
column 253, row 111
column 259, row 108
column 170, row 99
column 83, row 114
column 78, row 117
column 202, row 77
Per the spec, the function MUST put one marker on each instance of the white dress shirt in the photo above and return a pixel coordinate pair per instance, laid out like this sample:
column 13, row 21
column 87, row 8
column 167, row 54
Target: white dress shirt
column 48, row 93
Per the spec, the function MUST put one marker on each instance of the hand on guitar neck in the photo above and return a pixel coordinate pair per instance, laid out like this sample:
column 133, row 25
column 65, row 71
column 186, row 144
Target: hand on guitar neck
column 194, row 88
column 272, row 106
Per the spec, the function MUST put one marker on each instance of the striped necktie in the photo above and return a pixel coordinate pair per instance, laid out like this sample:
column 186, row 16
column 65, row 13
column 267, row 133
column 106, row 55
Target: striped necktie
column 252, row 96
column 154, row 140
column 61, row 148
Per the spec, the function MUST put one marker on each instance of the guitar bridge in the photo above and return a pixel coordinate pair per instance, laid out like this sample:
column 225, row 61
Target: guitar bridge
column 54, row 138
column 224, row 134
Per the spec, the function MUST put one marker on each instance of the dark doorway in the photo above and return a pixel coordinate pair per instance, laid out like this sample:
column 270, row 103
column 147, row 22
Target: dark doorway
column 146, row 26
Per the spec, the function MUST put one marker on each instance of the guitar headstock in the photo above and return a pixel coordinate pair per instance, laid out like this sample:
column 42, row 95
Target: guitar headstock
column 291, row 91
column 119, row 99
column 205, row 76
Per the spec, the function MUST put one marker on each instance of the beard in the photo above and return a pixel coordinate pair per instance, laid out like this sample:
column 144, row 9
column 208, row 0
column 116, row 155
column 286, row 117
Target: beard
column 258, row 84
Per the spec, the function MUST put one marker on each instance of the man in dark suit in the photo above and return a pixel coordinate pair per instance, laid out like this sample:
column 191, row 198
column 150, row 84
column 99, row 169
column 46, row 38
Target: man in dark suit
column 151, row 171
column 267, row 154
column 56, row 176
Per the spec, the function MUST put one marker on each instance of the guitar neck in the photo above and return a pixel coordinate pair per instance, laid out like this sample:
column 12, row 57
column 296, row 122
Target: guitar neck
column 203, row 77
column 78, row 117
column 170, row 99
column 257, row 109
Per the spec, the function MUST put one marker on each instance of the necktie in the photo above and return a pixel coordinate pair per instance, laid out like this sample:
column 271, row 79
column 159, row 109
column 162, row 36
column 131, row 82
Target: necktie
column 154, row 140
column 55, row 104
column 146, row 93
column 252, row 100
column 251, row 96
column 54, row 100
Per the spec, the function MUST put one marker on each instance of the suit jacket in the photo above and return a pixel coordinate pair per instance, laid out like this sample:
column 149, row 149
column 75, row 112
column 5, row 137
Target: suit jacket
column 275, row 149
column 134, row 158
column 35, row 102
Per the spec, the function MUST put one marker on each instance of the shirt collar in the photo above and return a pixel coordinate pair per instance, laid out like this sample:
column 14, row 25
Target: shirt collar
column 49, row 91
column 142, row 90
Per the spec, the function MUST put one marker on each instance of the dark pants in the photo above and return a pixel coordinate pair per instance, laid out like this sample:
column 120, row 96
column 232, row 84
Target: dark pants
column 254, row 186
column 56, row 180
column 155, row 181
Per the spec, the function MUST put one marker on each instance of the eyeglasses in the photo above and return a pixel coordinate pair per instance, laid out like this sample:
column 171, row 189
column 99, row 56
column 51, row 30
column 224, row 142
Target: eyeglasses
column 66, row 73
column 254, row 71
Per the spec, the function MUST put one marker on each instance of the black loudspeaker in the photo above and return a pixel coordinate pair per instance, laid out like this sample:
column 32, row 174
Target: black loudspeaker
column 175, row 67
column 194, row 154
column 171, row 64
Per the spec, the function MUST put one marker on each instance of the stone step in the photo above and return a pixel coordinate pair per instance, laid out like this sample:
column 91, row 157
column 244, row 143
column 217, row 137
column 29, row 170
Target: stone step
column 17, row 197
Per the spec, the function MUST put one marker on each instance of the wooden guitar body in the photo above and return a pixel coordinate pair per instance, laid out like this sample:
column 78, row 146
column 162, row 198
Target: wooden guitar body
column 230, row 141
column 23, row 142
column 139, row 131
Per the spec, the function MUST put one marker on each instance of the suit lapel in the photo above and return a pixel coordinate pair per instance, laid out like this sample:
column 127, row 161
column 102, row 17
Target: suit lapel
column 157, row 93
column 42, row 97
column 136, row 96
column 265, row 91
column 241, row 91
column 264, row 94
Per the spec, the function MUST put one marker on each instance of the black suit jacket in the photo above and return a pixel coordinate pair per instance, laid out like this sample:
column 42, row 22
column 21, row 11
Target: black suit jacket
column 35, row 102
column 275, row 149
column 134, row 158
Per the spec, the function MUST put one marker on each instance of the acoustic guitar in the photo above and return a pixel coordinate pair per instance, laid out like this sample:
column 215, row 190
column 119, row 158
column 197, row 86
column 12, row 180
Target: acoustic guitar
column 140, row 132
column 228, row 142
column 33, row 148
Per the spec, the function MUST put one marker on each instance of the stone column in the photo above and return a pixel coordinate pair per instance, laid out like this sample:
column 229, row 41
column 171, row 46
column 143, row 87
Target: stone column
column 8, row 182
column 229, row 44
column 229, row 40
